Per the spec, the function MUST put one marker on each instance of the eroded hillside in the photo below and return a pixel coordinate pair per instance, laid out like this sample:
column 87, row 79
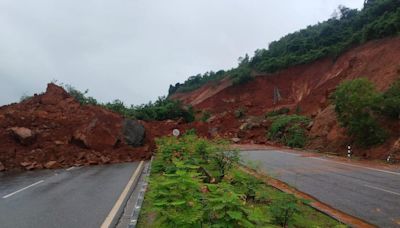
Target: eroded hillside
column 303, row 89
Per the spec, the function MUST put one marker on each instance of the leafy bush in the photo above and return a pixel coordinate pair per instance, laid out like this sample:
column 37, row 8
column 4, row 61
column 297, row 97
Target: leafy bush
column 205, row 115
column 178, row 197
column 163, row 109
column 289, row 129
column 240, row 75
column 240, row 112
column 245, row 184
column 283, row 209
column 81, row 97
column 278, row 112
column 224, row 161
column 224, row 207
column 117, row 106
column 195, row 82
column 356, row 102
column 391, row 101
column 24, row 97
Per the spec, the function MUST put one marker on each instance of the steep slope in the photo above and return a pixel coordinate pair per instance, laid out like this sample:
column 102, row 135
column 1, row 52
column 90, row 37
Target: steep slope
column 306, row 88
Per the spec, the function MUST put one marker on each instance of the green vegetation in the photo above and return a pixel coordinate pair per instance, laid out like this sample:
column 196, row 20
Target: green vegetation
column 162, row 109
column 350, row 27
column 278, row 112
column 289, row 130
column 24, row 97
column 347, row 28
column 81, row 97
column 195, row 82
column 205, row 115
column 356, row 104
column 391, row 101
column 240, row 112
column 193, row 183
column 240, row 75
column 359, row 106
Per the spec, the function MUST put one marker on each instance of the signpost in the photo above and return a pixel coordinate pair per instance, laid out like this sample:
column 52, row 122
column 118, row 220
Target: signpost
column 176, row 132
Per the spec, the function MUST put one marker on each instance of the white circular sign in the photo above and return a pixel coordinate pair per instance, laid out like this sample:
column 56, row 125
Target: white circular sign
column 176, row 132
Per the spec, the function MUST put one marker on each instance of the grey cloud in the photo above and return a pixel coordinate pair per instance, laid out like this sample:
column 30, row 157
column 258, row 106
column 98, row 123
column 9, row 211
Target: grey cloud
column 133, row 49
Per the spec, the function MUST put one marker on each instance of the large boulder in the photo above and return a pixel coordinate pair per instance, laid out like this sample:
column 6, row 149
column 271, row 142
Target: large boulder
column 133, row 132
column 23, row 135
column 100, row 134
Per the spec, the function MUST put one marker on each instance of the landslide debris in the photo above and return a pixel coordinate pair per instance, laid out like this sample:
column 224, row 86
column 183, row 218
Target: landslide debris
column 53, row 130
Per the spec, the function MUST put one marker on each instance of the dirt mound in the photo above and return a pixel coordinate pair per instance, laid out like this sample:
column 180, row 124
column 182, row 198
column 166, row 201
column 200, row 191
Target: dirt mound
column 304, row 89
column 53, row 130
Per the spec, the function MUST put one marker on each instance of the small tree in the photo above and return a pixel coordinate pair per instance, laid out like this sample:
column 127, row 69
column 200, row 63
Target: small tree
column 356, row 102
column 283, row 209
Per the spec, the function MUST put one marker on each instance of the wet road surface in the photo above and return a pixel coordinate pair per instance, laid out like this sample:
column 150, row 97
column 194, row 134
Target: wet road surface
column 74, row 197
column 368, row 193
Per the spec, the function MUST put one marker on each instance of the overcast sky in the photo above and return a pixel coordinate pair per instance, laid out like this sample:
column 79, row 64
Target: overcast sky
column 133, row 49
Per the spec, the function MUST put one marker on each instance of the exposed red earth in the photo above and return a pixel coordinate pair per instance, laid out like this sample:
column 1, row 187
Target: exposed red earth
column 307, row 87
column 53, row 130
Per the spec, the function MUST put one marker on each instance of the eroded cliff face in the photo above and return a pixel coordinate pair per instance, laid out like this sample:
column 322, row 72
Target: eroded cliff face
column 305, row 88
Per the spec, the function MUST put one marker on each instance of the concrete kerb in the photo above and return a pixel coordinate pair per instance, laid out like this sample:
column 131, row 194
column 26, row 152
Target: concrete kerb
column 143, row 184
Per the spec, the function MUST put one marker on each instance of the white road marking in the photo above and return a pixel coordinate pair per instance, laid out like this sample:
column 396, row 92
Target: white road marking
column 358, row 166
column 381, row 189
column 22, row 189
column 70, row 168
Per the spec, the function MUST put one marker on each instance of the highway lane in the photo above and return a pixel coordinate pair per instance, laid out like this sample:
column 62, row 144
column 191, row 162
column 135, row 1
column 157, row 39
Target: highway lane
column 75, row 197
column 367, row 193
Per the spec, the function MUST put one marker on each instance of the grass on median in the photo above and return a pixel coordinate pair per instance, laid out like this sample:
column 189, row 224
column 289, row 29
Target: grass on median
column 195, row 183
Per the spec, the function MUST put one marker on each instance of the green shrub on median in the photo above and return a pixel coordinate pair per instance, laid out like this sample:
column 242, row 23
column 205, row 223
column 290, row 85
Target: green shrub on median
column 195, row 183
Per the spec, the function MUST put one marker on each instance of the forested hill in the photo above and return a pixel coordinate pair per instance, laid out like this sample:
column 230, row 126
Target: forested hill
column 348, row 28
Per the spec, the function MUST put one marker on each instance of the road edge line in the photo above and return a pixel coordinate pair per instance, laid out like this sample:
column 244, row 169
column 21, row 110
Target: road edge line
column 115, row 213
column 324, row 208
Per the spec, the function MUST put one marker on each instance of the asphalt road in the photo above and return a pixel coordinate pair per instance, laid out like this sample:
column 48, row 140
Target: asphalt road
column 368, row 193
column 75, row 197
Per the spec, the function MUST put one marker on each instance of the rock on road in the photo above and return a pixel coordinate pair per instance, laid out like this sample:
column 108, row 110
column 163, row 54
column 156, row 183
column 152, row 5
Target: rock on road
column 75, row 197
column 368, row 193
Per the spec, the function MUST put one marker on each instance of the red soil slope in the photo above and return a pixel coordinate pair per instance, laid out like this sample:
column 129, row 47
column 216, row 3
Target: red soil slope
column 307, row 87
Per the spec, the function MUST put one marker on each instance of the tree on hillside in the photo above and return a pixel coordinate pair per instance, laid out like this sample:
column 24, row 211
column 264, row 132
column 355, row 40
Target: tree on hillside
column 356, row 103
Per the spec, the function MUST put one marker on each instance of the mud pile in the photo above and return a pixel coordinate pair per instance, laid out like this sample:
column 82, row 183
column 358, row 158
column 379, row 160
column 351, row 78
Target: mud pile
column 53, row 130
column 304, row 89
